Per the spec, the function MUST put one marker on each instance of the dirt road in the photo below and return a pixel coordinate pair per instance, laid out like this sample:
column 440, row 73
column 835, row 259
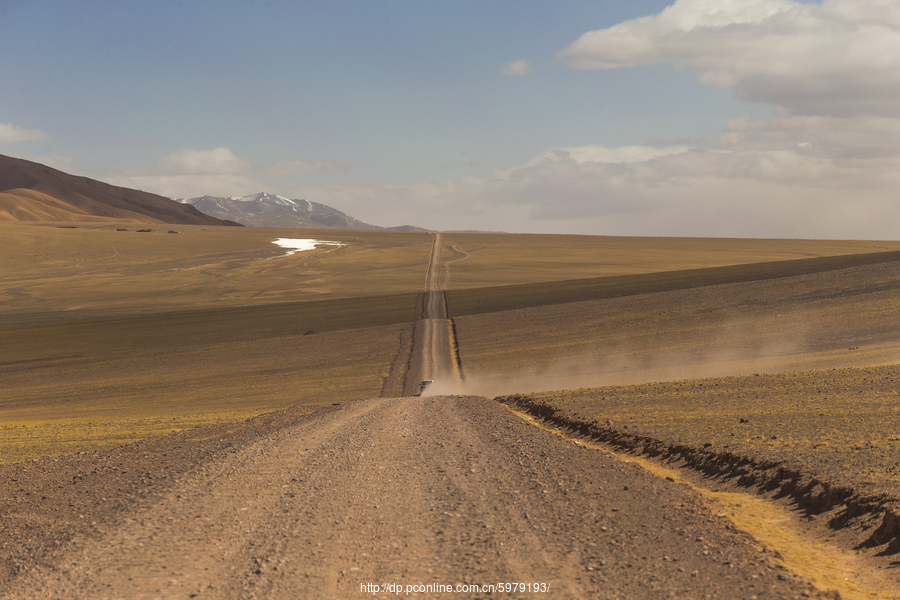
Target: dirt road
column 434, row 342
column 435, row 308
column 456, row 491
column 428, row 497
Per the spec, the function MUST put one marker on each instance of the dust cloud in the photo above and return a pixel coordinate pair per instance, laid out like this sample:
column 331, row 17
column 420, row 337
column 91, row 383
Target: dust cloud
column 734, row 347
column 580, row 372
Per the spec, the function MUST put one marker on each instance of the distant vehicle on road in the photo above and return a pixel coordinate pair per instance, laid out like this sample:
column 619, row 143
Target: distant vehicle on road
column 425, row 385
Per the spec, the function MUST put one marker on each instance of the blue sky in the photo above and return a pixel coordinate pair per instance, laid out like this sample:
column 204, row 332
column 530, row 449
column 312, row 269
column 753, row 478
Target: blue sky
column 732, row 118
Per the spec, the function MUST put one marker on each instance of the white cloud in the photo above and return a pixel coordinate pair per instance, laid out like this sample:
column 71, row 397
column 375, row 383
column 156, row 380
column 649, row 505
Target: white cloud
column 789, row 176
column 826, row 163
column 11, row 133
column 650, row 166
column 192, row 172
column 223, row 161
column 601, row 154
column 643, row 190
column 521, row 66
column 301, row 167
column 191, row 186
column 840, row 58
column 190, row 161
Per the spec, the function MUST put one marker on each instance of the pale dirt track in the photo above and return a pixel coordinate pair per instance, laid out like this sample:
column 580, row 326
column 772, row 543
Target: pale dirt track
column 455, row 490
column 433, row 337
column 410, row 491
column 432, row 281
column 434, row 340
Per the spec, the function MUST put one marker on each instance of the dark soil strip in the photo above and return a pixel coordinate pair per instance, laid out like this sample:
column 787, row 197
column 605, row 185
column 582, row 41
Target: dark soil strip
column 413, row 379
column 395, row 382
column 197, row 327
column 513, row 297
column 454, row 344
column 811, row 493
column 419, row 312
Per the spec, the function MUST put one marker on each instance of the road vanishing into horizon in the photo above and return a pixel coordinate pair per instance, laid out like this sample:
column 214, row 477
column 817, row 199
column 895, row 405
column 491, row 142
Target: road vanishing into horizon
column 415, row 497
column 434, row 332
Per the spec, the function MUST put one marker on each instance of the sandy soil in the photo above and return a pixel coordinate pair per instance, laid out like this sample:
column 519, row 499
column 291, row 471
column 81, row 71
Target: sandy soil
column 449, row 490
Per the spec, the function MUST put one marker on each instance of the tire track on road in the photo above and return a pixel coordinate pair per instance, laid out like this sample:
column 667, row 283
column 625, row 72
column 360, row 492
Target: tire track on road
column 447, row 264
column 443, row 357
column 434, row 353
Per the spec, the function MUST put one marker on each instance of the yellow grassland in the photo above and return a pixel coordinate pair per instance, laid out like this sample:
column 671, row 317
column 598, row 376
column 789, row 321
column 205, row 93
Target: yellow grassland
column 109, row 336
column 95, row 269
column 60, row 405
column 29, row 205
column 508, row 259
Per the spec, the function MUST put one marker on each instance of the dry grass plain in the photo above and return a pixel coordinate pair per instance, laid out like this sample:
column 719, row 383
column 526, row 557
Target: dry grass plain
column 64, row 405
column 817, row 450
column 510, row 259
column 783, row 352
column 93, row 269
column 109, row 336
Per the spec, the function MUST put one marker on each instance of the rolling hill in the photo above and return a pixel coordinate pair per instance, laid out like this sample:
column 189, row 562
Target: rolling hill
column 31, row 191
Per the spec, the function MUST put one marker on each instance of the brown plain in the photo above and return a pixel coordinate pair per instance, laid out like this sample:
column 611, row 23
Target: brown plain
column 833, row 318
column 510, row 259
column 110, row 336
column 30, row 191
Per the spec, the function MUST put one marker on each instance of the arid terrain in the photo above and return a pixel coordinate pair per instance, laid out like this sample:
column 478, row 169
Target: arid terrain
column 199, row 415
column 30, row 191
column 454, row 490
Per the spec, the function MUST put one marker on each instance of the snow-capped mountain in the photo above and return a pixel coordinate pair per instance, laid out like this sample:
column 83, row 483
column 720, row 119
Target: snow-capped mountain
column 272, row 210
column 295, row 205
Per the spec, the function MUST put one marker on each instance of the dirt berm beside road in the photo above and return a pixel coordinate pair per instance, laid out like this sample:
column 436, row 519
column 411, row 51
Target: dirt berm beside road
column 410, row 491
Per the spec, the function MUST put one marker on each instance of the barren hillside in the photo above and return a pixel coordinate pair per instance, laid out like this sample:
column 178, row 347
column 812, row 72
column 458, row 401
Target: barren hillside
column 31, row 191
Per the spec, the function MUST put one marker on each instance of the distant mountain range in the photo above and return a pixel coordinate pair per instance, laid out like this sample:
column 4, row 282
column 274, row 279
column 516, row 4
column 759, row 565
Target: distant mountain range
column 30, row 191
column 271, row 210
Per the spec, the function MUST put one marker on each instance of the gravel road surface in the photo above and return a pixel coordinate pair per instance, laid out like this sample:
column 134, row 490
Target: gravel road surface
column 434, row 343
column 449, row 490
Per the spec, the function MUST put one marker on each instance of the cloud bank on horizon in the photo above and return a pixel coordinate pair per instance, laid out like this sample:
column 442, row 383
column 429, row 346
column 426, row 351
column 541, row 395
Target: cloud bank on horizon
column 815, row 151
column 11, row 133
